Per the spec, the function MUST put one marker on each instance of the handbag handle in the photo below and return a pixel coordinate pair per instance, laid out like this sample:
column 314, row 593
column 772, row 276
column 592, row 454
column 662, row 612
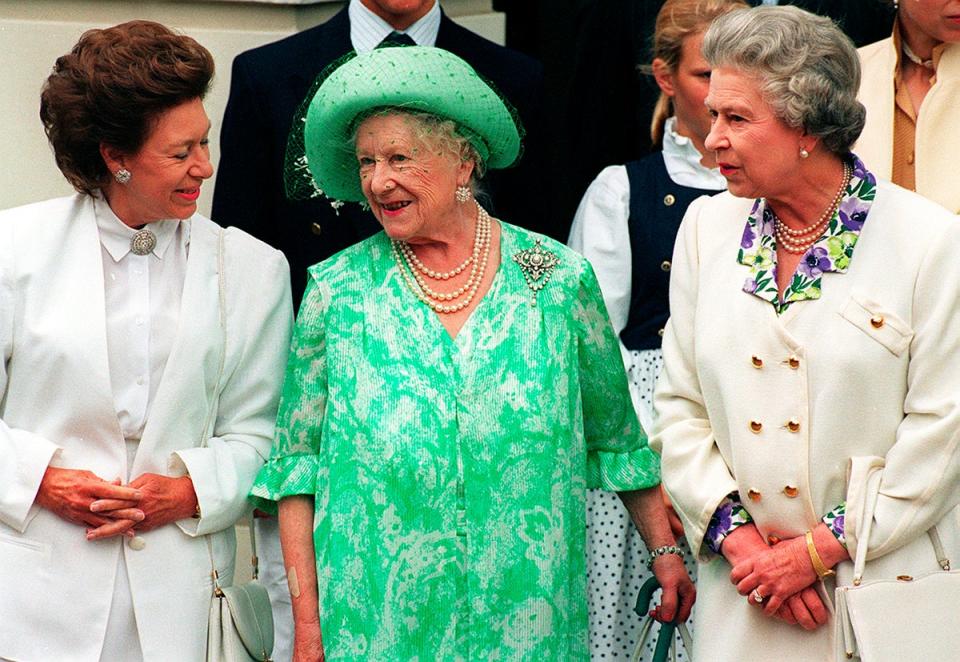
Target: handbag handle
column 866, row 524
column 222, row 315
column 665, row 638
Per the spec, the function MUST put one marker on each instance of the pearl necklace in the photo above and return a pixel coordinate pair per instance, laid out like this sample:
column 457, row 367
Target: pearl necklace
column 411, row 257
column 440, row 301
column 799, row 241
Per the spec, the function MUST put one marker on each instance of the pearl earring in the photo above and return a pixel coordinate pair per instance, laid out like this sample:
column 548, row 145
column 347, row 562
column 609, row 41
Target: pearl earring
column 462, row 194
column 804, row 153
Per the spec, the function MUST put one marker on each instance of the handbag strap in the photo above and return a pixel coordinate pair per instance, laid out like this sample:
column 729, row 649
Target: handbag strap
column 938, row 549
column 866, row 524
column 222, row 314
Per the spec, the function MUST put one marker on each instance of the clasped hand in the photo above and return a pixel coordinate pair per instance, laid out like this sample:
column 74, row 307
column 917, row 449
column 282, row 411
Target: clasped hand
column 782, row 574
column 107, row 508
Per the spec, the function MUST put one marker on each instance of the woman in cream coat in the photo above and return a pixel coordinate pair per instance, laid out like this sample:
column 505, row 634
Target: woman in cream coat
column 814, row 333
column 141, row 368
column 911, row 90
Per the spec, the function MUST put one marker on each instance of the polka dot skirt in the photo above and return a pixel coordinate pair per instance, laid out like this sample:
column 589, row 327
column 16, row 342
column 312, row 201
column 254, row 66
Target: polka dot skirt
column 616, row 555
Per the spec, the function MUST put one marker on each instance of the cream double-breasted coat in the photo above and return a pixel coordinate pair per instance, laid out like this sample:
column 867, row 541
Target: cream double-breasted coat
column 868, row 372
column 57, row 408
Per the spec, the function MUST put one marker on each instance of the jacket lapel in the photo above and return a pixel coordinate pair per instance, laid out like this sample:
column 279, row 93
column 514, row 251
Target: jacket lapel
column 81, row 298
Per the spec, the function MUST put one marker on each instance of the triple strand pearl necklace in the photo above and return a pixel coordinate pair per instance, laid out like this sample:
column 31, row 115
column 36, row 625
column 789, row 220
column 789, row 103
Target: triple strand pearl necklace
column 799, row 242
column 413, row 270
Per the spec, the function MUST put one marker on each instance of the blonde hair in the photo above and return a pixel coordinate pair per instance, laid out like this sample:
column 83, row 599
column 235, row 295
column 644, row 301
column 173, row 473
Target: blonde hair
column 677, row 20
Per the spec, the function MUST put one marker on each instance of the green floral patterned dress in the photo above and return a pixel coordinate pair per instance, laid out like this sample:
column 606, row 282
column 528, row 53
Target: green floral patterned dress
column 449, row 474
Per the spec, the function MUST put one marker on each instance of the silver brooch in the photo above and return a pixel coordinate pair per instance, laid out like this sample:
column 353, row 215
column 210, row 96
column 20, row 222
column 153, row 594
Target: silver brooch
column 537, row 265
column 143, row 242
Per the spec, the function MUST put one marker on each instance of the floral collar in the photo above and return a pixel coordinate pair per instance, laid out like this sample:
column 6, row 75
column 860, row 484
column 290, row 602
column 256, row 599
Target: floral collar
column 832, row 252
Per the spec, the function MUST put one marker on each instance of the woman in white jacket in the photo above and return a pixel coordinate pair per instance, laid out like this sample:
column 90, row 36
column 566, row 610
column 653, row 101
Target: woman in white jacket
column 143, row 349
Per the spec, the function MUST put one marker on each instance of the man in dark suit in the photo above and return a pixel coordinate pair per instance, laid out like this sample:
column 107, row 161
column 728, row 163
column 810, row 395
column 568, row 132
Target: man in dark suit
column 268, row 85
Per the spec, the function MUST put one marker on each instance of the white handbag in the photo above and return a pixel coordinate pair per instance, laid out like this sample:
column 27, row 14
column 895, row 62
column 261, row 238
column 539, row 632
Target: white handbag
column 240, row 623
column 897, row 619
column 241, row 619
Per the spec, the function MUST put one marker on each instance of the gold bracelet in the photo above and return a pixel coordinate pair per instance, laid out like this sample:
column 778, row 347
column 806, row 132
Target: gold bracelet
column 822, row 571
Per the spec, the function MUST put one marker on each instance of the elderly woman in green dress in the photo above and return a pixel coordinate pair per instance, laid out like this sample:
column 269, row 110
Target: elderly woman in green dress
column 453, row 389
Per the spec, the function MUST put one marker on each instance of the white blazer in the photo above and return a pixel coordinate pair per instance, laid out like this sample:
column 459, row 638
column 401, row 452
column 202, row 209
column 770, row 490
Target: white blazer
column 938, row 124
column 57, row 409
column 874, row 377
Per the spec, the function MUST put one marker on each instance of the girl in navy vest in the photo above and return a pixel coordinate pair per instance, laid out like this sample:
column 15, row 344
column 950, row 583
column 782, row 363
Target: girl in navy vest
column 626, row 225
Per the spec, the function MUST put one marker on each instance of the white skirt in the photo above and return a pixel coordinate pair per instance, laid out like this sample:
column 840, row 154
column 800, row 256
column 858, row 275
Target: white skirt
column 616, row 555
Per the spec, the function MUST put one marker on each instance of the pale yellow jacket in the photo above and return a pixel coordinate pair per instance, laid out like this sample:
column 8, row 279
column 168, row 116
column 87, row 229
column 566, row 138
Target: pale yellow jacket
column 938, row 124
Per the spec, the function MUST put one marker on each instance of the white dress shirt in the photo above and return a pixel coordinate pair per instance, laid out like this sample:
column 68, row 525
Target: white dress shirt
column 600, row 231
column 142, row 299
column 142, row 306
column 367, row 29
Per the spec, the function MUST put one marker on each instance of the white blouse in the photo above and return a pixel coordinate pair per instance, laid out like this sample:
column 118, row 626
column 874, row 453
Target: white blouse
column 142, row 300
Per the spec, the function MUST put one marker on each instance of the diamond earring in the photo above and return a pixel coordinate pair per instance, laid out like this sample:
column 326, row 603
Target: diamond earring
column 122, row 176
column 462, row 194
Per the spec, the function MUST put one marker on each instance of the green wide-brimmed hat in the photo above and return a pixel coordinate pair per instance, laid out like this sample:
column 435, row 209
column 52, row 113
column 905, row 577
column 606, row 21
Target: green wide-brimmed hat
column 417, row 78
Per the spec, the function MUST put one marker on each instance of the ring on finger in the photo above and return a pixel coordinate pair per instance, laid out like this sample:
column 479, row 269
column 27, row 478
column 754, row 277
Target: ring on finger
column 756, row 596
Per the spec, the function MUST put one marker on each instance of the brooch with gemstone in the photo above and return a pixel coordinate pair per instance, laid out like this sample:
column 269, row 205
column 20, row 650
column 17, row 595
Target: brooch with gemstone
column 537, row 265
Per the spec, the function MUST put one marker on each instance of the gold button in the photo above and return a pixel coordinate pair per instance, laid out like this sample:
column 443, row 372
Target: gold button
column 793, row 425
column 754, row 494
column 793, row 362
column 665, row 265
column 876, row 321
column 756, row 361
column 756, row 426
column 668, row 199
column 772, row 540
column 660, row 333
column 316, row 228
column 910, row 158
column 791, row 491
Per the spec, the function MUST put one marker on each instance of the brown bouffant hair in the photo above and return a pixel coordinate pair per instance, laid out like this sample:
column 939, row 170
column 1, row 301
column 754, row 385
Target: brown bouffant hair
column 677, row 20
column 111, row 88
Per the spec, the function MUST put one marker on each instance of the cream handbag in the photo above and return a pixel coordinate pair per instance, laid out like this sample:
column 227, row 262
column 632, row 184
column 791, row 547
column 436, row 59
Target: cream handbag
column 898, row 619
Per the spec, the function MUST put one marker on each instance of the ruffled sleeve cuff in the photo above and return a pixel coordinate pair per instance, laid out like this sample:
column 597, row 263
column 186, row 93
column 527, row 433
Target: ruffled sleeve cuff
column 623, row 471
column 282, row 477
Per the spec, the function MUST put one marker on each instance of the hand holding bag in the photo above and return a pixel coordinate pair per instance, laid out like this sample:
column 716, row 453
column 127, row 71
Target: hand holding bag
column 871, row 616
column 666, row 640
column 240, row 624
